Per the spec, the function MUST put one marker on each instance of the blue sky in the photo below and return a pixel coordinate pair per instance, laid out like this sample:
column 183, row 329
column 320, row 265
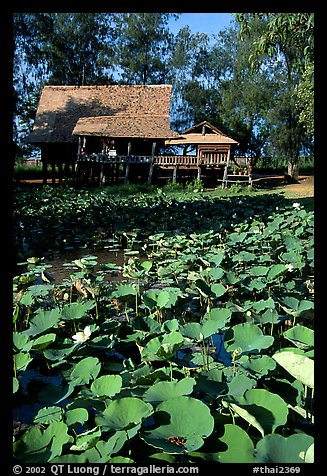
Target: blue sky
column 209, row 23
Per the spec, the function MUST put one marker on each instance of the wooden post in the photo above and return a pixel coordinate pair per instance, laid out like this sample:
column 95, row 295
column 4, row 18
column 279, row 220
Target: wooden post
column 152, row 162
column 127, row 173
column 53, row 172
column 44, row 170
column 224, row 183
column 101, row 175
column 60, row 171
column 129, row 148
column 175, row 174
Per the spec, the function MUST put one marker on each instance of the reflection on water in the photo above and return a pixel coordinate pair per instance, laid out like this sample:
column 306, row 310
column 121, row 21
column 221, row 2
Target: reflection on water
column 62, row 265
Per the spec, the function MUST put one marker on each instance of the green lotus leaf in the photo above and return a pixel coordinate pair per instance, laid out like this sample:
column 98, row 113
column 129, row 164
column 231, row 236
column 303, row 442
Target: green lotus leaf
column 219, row 315
column 295, row 307
column 21, row 360
column 240, row 446
column 21, row 342
column 161, row 391
column 264, row 410
column 298, row 365
column 211, row 382
column 85, row 370
column 257, row 365
column 76, row 415
column 181, row 423
column 278, row 449
column 162, row 347
column 61, row 351
column 48, row 415
column 86, row 440
column 259, row 270
column 15, row 385
column 124, row 290
column 70, row 458
column 239, row 385
column 309, row 455
column 76, row 310
column 124, row 414
column 301, row 336
column 105, row 448
column 106, row 386
column 41, row 446
column 121, row 459
column 43, row 321
column 247, row 337
column 217, row 290
column 42, row 342
column 275, row 271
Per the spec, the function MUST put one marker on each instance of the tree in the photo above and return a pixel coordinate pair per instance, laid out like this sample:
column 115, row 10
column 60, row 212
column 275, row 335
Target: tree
column 143, row 47
column 58, row 48
column 286, row 40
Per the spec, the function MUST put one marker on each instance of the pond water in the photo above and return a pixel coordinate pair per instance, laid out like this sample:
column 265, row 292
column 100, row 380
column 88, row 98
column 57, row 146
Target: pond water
column 62, row 265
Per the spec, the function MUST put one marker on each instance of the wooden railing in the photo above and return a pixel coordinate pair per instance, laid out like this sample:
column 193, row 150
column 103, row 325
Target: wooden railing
column 208, row 158
column 174, row 160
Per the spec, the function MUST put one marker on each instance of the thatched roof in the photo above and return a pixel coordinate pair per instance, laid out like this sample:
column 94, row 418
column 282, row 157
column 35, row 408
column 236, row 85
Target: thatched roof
column 61, row 107
column 202, row 133
column 146, row 126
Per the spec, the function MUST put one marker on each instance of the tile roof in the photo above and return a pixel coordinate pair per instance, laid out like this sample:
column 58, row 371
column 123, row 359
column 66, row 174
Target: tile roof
column 61, row 107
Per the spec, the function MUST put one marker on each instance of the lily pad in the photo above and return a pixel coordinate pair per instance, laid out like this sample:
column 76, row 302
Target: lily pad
column 41, row 446
column 162, row 347
column 106, row 386
column 43, row 321
column 277, row 449
column 124, row 414
column 264, row 410
column 299, row 366
column 161, row 391
column 247, row 337
column 85, row 370
column 240, row 447
column 181, row 423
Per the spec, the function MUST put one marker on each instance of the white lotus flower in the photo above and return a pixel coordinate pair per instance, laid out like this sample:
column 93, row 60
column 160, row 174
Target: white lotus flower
column 83, row 335
column 296, row 205
column 289, row 266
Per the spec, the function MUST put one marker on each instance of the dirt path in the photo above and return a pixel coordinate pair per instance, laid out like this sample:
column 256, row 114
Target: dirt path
column 303, row 189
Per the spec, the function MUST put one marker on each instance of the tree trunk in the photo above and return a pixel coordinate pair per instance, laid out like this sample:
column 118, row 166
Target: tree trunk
column 293, row 170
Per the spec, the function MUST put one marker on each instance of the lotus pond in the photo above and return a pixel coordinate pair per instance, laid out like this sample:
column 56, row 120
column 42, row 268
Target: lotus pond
column 201, row 351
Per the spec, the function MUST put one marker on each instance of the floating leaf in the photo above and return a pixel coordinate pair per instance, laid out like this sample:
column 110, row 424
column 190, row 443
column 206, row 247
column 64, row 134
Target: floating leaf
column 85, row 370
column 41, row 446
column 181, row 423
column 240, row 447
column 247, row 337
column 86, row 440
column 76, row 310
column 264, row 410
column 76, row 415
column 301, row 336
column 43, row 321
column 124, row 414
column 161, row 391
column 48, row 415
column 43, row 341
column 278, row 449
column 299, row 366
column 106, row 386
